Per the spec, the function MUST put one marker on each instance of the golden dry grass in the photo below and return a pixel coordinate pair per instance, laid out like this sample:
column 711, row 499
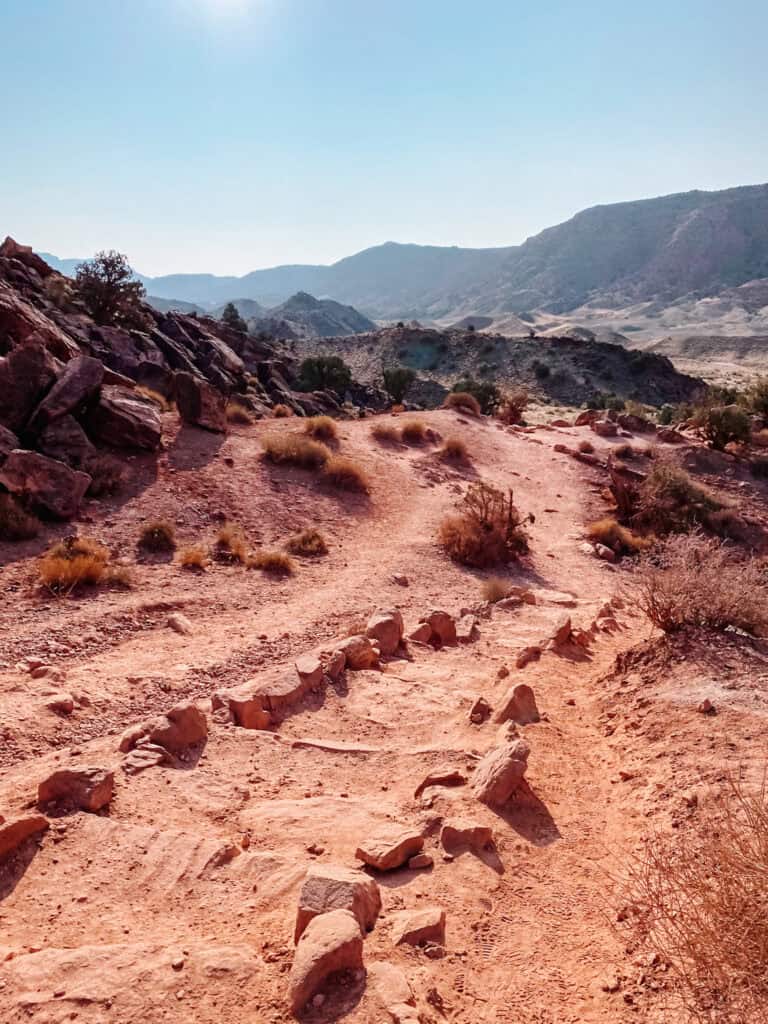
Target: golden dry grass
column 586, row 447
column 385, row 433
column 322, row 428
column 609, row 532
column 276, row 563
column 513, row 405
column 154, row 396
column 309, row 543
column 463, row 402
column 414, row 432
column 454, row 450
column 281, row 411
column 488, row 531
column 295, row 450
column 494, row 589
column 237, row 413
column 231, row 545
column 194, row 558
column 346, row 475
column 158, row 535
column 107, row 475
column 72, row 563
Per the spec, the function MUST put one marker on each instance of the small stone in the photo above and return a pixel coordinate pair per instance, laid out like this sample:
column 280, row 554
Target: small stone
column 330, row 887
column 417, row 927
column 443, row 627
column 605, row 553
column 400, row 579
column 422, row 634
column 420, row 861
column 388, row 851
column 480, row 711
column 61, row 703
column 526, row 656
column 359, row 653
column 520, row 706
column 180, row 624
column 177, row 963
column 500, row 772
column 707, row 707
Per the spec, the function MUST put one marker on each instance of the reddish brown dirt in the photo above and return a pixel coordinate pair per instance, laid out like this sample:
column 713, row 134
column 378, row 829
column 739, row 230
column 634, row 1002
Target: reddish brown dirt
column 95, row 923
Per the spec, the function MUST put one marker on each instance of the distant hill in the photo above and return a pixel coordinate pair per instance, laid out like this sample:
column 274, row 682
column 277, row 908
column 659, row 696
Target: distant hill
column 308, row 317
column 661, row 251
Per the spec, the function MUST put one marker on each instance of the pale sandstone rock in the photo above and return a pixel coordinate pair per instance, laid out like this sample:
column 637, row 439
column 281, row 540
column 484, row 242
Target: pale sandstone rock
column 500, row 772
column 416, row 927
column 390, row 849
column 331, row 942
column 330, row 887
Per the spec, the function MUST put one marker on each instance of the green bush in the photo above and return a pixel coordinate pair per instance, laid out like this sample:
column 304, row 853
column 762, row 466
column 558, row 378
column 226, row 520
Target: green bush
column 486, row 393
column 721, row 425
column 397, row 381
column 324, row 373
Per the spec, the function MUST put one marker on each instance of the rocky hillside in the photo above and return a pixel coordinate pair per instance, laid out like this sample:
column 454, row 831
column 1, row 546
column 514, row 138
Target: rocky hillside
column 653, row 250
column 304, row 316
column 72, row 389
column 569, row 370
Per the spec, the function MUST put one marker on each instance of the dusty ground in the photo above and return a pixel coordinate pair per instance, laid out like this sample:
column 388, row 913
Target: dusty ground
column 138, row 914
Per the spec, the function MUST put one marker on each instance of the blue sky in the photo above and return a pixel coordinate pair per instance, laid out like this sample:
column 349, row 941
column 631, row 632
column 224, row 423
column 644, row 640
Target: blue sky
column 226, row 135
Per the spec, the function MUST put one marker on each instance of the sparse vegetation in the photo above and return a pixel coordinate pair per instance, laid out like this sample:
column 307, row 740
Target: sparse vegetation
column 485, row 393
column 237, row 413
column 488, row 530
column 397, row 381
column 694, row 581
column 586, row 447
column 154, row 396
column 345, row 474
column 670, row 501
column 512, row 405
column 107, row 288
column 76, row 562
column 194, row 558
column 158, row 535
column 414, row 432
column 15, row 523
column 309, row 543
column 618, row 538
column 277, row 563
column 624, row 451
column 462, row 401
column 698, row 902
column 295, row 450
column 107, row 475
column 281, row 411
column 723, row 425
column 231, row 545
column 454, row 450
column 324, row 373
column 231, row 317
column 385, row 433
column 757, row 397
column 494, row 589
column 322, row 428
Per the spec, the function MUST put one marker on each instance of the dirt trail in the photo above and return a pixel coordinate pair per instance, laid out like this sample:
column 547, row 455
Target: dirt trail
column 95, row 923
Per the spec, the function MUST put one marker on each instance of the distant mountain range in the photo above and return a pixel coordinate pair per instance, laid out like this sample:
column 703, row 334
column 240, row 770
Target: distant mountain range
column 651, row 253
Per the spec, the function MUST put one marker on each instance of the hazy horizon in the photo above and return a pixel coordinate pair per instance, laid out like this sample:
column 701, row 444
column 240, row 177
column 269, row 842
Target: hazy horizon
column 225, row 136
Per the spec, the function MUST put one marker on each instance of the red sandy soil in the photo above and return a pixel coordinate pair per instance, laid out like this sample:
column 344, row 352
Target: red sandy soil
column 141, row 914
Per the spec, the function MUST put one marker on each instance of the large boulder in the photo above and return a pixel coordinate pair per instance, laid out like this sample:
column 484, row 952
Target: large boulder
column 386, row 628
column 8, row 441
column 88, row 789
column 46, row 484
column 22, row 324
column 331, row 942
column 80, row 379
column 500, row 772
column 25, row 375
column 18, row 830
column 330, row 887
column 65, row 440
column 124, row 418
column 200, row 404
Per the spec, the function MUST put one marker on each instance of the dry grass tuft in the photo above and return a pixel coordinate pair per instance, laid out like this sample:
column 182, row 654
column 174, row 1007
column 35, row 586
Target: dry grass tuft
column 322, row 428
column 619, row 538
column 414, row 432
column 345, row 474
column 624, row 451
column 586, row 447
column 231, row 545
column 670, row 501
column 281, row 411
column 237, row 413
column 463, row 402
column 454, row 450
column 698, row 900
column 154, row 396
column 76, row 562
column 308, row 543
column 385, row 433
column 494, row 589
column 512, row 406
column 194, row 559
column 107, row 475
column 692, row 581
column 277, row 563
column 488, row 531
column 295, row 450
column 158, row 535
column 15, row 523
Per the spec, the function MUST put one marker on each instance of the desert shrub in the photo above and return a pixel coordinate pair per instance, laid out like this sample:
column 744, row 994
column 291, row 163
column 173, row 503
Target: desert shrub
column 624, row 450
column 231, row 317
column 666, row 415
column 345, row 474
column 462, row 401
column 324, row 373
column 414, row 432
column 231, row 545
column 722, row 425
column 106, row 286
column 487, row 531
column 295, row 450
column 691, row 580
column 309, row 543
column 494, row 589
column 385, row 433
column 73, row 562
column 397, row 381
column 697, row 900
column 512, row 405
column 759, row 468
column 322, row 428
column 619, row 538
column 281, row 412
column 194, row 558
column 485, row 393
column 107, row 475
column 670, row 501
column 277, row 563
column 454, row 450
column 237, row 413
column 586, row 447
column 757, row 397
column 15, row 522
column 158, row 535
